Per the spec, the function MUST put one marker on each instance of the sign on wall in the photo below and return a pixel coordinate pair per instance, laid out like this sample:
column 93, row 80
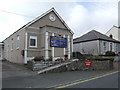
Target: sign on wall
column 88, row 63
column 58, row 42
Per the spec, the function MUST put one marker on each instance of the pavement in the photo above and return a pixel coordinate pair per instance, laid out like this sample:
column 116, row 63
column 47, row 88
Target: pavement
column 15, row 70
column 18, row 76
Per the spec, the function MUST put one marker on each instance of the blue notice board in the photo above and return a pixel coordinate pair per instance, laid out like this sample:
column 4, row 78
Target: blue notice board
column 58, row 42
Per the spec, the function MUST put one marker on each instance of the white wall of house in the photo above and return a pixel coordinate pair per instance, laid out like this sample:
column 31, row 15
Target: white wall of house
column 1, row 52
column 115, row 32
column 90, row 47
column 97, row 47
column 119, row 34
column 109, row 46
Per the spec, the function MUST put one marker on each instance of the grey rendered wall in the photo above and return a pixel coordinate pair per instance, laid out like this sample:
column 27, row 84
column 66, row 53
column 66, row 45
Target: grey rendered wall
column 14, row 55
column 46, row 21
column 39, row 51
column 118, row 47
column 90, row 47
column 113, row 31
column 119, row 34
column 40, row 33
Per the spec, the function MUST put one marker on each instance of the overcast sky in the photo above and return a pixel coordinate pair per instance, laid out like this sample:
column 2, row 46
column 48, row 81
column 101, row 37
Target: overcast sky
column 81, row 16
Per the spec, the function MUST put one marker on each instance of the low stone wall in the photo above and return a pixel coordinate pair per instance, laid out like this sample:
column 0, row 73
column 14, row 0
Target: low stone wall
column 72, row 66
column 39, row 65
column 79, row 65
column 116, row 65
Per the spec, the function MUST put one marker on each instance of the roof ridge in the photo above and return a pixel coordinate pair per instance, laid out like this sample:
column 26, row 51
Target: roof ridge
column 95, row 33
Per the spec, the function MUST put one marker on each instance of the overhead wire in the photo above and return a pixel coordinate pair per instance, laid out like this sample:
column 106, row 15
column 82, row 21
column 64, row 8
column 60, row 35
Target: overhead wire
column 16, row 13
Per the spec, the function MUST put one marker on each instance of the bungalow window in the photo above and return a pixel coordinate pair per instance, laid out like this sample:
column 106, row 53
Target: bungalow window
column 33, row 41
column 111, row 46
column 115, row 47
column 104, row 46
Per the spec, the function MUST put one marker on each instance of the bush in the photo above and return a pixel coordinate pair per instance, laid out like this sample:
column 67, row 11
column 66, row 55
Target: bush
column 77, row 54
column 39, row 58
column 110, row 53
column 99, row 58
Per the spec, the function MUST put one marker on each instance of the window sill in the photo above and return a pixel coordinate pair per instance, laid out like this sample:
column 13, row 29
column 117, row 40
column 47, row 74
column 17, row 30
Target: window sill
column 33, row 46
column 17, row 48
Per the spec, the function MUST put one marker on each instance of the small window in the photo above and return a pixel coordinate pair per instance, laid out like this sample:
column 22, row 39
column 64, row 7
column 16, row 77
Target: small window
column 12, row 44
column 33, row 41
column 116, row 48
column 111, row 46
column 104, row 46
column 17, row 42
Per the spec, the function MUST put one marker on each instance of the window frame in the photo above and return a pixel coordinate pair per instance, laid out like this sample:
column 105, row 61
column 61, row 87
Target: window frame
column 12, row 44
column 17, row 41
column 33, row 37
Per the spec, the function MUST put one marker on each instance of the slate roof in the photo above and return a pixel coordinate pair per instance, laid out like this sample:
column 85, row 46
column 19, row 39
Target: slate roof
column 93, row 35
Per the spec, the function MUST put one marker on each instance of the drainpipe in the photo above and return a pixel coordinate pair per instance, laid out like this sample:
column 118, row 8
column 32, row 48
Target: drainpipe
column 53, row 50
column 68, row 47
column 72, row 45
column 25, row 51
column 46, row 45
column 99, row 51
column 64, row 48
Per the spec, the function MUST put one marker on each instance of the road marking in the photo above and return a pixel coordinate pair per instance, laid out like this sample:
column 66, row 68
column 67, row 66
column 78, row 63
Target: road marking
column 75, row 83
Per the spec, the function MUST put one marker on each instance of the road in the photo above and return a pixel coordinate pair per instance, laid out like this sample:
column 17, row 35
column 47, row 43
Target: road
column 103, row 81
column 16, row 76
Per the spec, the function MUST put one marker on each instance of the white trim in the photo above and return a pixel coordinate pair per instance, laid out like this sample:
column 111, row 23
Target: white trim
column 53, row 52
column 25, row 51
column 33, row 37
column 12, row 45
column 30, row 27
column 1, row 56
column 68, row 47
column 35, row 32
column 46, row 45
column 64, row 48
column 98, row 47
column 72, row 44
column 37, row 50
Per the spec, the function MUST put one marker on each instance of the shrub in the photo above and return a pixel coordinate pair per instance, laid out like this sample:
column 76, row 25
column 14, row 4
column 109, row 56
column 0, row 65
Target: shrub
column 77, row 54
column 38, row 58
column 110, row 53
column 99, row 58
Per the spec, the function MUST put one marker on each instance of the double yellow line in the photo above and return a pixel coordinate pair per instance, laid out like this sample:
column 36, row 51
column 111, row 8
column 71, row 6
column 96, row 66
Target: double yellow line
column 71, row 84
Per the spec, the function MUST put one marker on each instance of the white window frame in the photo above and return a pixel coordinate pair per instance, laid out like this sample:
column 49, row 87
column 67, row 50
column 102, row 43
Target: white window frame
column 17, row 42
column 12, row 45
column 111, row 46
column 33, row 37
column 116, row 47
column 105, row 46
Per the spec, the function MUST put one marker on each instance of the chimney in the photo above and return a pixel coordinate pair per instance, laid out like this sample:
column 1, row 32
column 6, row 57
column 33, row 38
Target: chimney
column 111, row 36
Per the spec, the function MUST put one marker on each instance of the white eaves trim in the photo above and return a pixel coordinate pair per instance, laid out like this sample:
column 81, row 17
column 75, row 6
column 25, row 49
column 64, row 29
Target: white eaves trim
column 1, row 43
column 52, row 9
